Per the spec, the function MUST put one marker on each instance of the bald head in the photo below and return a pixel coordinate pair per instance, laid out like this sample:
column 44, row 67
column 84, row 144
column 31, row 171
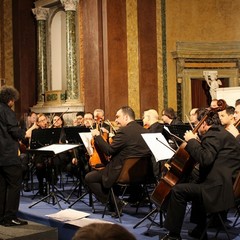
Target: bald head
column 150, row 117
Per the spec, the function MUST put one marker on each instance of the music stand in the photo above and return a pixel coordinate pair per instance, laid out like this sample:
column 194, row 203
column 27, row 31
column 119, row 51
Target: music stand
column 44, row 137
column 51, row 151
column 179, row 130
column 73, row 136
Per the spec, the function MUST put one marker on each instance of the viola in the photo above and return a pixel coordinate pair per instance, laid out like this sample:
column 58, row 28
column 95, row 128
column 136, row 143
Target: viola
column 98, row 159
column 181, row 164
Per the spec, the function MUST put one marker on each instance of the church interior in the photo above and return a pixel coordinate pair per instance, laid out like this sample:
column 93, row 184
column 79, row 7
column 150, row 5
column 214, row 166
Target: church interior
column 106, row 54
column 67, row 56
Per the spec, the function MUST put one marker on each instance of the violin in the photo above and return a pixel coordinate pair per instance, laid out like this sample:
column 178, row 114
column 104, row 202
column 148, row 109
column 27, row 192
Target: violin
column 181, row 164
column 98, row 159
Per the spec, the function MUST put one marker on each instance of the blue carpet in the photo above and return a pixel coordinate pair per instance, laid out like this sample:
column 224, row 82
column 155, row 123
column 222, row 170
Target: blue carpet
column 38, row 214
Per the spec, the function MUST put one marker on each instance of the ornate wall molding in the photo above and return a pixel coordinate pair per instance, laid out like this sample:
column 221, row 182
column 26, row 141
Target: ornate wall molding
column 192, row 58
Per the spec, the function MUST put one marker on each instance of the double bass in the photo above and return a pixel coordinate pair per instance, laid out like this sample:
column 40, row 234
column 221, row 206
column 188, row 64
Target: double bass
column 181, row 164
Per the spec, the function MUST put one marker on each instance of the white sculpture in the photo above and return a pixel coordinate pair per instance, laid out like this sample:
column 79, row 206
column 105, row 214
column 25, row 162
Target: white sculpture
column 213, row 82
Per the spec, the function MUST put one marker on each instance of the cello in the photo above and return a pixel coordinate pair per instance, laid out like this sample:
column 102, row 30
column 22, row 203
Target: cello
column 181, row 164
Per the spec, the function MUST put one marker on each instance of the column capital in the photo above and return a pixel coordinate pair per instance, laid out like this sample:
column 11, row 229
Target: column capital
column 41, row 13
column 70, row 5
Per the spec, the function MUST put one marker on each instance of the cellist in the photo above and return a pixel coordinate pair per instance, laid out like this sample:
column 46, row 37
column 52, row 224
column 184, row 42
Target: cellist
column 218, row 155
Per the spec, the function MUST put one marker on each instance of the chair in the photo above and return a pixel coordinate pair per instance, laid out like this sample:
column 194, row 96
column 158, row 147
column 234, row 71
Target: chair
column 135, row 171
column 236, row 192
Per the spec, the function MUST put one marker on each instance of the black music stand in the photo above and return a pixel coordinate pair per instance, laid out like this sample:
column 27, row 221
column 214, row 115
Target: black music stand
column 72, row 136
column 44, row 137
column 41, row 138
column 179, row 130
column 51, row 151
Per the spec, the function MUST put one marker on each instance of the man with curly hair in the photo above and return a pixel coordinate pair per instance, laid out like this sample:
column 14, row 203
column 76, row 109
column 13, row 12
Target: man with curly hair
column 10, row 165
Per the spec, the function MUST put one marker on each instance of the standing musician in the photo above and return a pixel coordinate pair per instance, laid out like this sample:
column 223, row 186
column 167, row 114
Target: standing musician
column 218, row 155
column 127, row 142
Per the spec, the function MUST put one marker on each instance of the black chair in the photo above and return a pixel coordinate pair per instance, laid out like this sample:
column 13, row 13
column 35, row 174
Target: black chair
column 135, row 171
column 213, row 216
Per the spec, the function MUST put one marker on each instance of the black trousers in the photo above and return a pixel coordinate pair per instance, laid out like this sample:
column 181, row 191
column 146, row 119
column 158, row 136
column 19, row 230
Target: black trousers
column 10, row 186
column 94, row 181
column 181, row 194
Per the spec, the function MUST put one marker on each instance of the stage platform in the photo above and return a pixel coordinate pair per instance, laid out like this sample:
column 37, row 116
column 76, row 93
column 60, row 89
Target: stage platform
column 37, row 214
column 31, row 231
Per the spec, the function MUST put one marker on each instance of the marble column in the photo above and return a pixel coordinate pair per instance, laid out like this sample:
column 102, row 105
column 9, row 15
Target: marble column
column 41, row 15
column 72, row 92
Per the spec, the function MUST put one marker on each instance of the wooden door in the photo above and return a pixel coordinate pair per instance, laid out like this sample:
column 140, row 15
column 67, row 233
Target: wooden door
column 200, row 92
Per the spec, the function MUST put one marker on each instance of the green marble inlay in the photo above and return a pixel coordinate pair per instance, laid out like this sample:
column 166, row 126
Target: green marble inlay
column 52, row 97
column 42, row 59
column 164, row 53
column 71, row 61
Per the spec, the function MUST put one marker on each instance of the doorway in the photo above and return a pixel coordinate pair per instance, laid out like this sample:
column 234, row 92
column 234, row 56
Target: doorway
column 200, row 92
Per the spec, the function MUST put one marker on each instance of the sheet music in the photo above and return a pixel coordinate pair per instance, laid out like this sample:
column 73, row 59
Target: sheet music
column 158, row 146
column 68, row 215
column 86, row 138
column 58, row 148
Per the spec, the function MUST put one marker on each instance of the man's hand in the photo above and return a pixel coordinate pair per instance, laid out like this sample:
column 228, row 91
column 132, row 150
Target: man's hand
column 190, row 135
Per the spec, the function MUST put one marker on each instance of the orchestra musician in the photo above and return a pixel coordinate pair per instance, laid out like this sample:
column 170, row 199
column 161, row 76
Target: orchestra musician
column 151, row 122
column 218, row 155
column 193, row 117
column 237, row 113
column 169, row 117
column 127, row 142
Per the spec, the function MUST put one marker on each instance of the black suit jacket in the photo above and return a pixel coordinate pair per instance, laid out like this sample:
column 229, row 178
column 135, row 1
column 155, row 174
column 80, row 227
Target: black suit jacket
column 218, row 156
column 128, row 142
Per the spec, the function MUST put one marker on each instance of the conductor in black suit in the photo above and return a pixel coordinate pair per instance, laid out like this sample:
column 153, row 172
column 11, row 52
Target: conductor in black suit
column 127, row 142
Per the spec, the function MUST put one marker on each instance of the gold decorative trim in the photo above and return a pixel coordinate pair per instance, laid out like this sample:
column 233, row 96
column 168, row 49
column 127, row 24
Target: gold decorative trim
column 132, row 55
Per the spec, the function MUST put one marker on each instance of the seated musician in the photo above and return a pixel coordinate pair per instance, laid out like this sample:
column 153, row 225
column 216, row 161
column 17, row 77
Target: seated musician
column 39, row 160
column 237, row 114
column 151, row 122
column 218, row 155
column 127, row 142
column 193, row 117
column 169, row 117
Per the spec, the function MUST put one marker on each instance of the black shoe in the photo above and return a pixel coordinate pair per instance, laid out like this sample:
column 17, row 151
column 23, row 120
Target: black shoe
column 121, row 204
column 197, row 233
column 168, row 237
column 26, row 188
column 14, row 222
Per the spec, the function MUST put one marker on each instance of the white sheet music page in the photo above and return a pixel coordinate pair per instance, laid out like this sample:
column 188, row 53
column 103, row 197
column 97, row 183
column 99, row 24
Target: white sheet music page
column 158, row 146
column 86, row 138
column 58, row 148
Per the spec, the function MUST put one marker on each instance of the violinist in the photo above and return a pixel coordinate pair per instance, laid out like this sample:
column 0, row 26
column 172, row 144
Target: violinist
column 127, row 142
column 99, row 119
column 218, row 155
